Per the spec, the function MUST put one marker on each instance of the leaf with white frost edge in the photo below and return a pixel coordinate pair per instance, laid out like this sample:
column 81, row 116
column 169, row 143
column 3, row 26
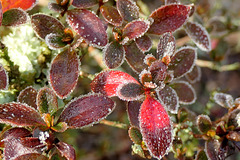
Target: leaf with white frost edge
column 224, row 100
column 28, row 96
column 3, row 78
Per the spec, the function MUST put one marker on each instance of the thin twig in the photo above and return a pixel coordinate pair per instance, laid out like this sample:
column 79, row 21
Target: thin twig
column 114, row 124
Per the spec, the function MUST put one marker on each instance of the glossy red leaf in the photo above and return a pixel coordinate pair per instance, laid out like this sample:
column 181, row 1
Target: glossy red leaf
column 135, row 57
column 169, row 98
column 185, row 92
column 144, row 43
column 135, row 135
column 195, row 75
column 166, row 45
column 87, row 110
column 107, row 82
column 56, row 7
column 158, row 70
column 183, row 61
column 18, row 114
column 84, row 3
column 64, row 73
column 133, row 109
column 44, row 25
column 32, row 156
column 114, row 55
column 224, row 100
column 89, row 26
column 155, row 126
column 204, row 123
column 54, row 41
column 3, row 78
column 199, row 35
column 66, row 150
column 134, row 29
column 130, row 91
column 111, row 15
column 25, row 5
column 169, row 18
column 128, row 9
column 14, row 17
column 28, row 96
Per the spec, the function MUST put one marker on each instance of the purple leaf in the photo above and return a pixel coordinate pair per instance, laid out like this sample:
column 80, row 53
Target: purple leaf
column 183, row 61
column 169, row 98
column 169, row 18
column 56, row 7
column 199, row 35
column 135, row 135
column 66, row 150
column 64, row 73
column 224, row 100
column 28, row 96
column 211, row 149
column 158, row 70
column 114, row 54
column 144, row 43
column 86, row 110
column 155, row 126
column 204, row 123
column 32, row 156
column 14, row 17
column 130, row 91
column 233, row 119
column 54, row 41
column 14, row 133
column 194, row 75
column 3, row 78
column 89, row 26
column 1, row 14
column 18, row 114
column 84, row 3
column 171, row 1
column 128, row 9
column 185, row 92
column 133, row 108
column 111, row 15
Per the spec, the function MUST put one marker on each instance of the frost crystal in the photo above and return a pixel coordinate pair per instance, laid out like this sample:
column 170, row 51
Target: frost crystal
column 43, row 136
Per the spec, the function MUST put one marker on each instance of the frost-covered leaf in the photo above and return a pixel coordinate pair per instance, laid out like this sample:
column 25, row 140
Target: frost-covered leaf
column 54, row 41
column 233, row 136
column 155, row 126
column 158, row 70
column 66, row 150
column 133, row 108
column 224, row 100
column 169, row 18
column 32, row 156
column 201, row 155
column 234, row 117
column 130, row 91
column 144, row 43
column 64, row 73
column 204, row 123
column 171, row 1
column 15, row 133
column 145, row 78
column 47, row 101
column 135, row 135
column 211, row 149
column 183, row 61
column 84, row 3
column 86, row 110
column 114, row 54
column 28, row 96
column 44, row 25
column 135, row 57
column 88, row 26
column 134, row 29
column 128, row 9
column 18, row 114
column 111, row 15
column 185, row 92
column 56, row 7
column 199, row 35
column 169, row 98
column 3, row 78
column 149, row 59
column 25, row 5
column 166, row 46
column 14, row 17
column 194, row 75
column 1, row 14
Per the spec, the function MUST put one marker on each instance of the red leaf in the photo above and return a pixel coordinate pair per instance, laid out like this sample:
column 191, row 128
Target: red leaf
column 84, row 3
column 169, row 18
column 128, row 9
column 194, row 75
column 14, row 17
column 155, row 126
column 28, row 96
column 23, row 4
column 86, row 110
column 32, row 156
column 64, row 73
column 89, row 26
column 199, row 35
column 133, row 108
column 14, row 133
column 107, row 82
column 111, row 15
column 18, row 114
column 3, row 78
column 66, row 150
column 144, row 43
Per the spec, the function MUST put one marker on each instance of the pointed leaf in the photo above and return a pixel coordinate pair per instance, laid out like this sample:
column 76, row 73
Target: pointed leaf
column 3, row 78
column 144, row 43
column 18, row 114
column 169, row 18
column 28, row 96
column 135, row 135
column 134, row 29
column 224, row 100
column 183, row 61
column 194, row 75
column 44, row 25
column 14, row 17
column 86, row 110
column 114, row 54
column 199, row 35
column 133, row 108
column 128, row 9
column 47, row 101
column 107, row 82
column 204, row 123
column 169, row 98
column 159, row 71
column 135, row 57
column 32, row 156
column 54, row 41
column 84, row 3
column 156, row 129
column 166, row 45
column 25, row 5
column 185, row 92
column 201, row 155
column 64, row 73
column 56, row 7
column 111, row 15
column 66, row 150
column 130, row 91
column 89, row 26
